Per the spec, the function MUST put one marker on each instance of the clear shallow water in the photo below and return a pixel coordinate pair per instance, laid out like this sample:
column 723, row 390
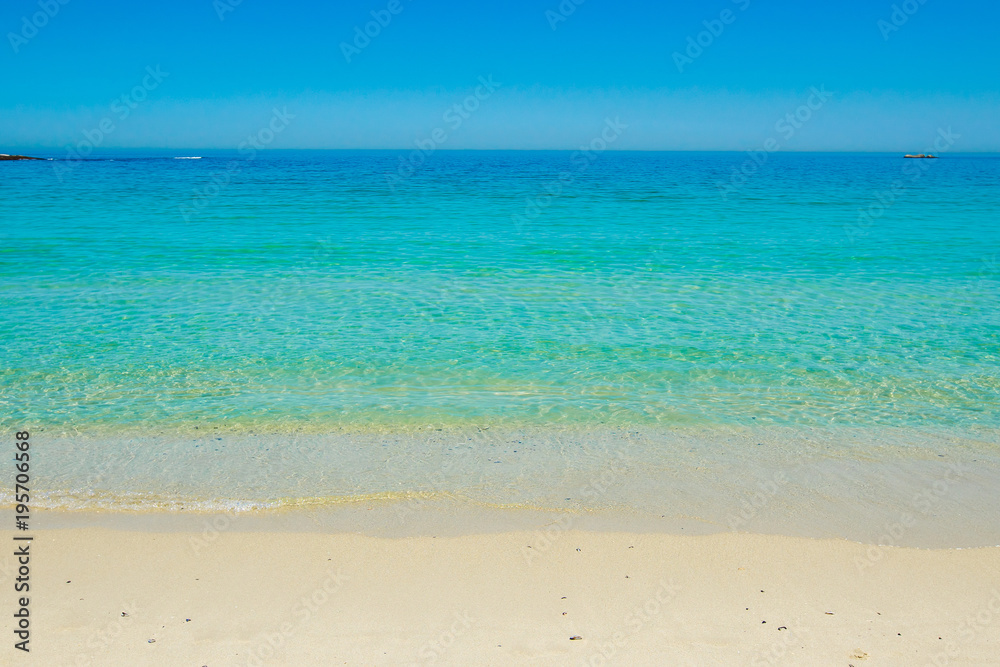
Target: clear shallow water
column 309, row 293
column 300, row 293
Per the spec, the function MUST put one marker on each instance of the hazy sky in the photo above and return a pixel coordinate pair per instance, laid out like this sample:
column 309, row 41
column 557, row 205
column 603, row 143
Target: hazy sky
column 704, row 74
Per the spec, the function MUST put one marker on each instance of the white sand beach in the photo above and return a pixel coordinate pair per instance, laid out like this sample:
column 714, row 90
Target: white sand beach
column 103, row 596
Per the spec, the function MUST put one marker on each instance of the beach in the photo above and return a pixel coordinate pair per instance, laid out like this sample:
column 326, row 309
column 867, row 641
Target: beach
column 892, row 559
column 310, row 420
column 108, row 596
column 500, row 334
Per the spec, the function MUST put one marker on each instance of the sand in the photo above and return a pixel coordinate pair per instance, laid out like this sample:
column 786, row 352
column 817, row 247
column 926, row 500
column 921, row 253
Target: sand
column 103, row 596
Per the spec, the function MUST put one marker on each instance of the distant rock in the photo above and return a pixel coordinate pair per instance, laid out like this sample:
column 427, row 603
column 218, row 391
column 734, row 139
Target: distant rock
column 4, row 156
column 926, row 157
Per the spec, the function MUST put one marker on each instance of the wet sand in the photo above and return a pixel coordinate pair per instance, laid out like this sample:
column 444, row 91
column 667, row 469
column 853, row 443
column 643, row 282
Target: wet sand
column 891, row 486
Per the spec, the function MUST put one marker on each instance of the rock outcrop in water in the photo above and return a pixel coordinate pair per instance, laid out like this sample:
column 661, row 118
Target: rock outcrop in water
column 4, row 156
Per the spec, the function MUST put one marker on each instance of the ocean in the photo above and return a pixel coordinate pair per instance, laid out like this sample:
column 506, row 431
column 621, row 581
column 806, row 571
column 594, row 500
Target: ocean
column 322, row 326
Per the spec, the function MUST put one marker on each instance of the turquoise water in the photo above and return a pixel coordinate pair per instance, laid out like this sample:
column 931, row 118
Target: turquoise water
column 293, row 331
column 299, row 290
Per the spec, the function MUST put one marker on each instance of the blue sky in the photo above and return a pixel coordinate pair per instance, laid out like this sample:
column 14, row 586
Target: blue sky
column 560, row 70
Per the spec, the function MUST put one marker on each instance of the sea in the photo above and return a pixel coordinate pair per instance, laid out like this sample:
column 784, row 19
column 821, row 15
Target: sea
column 723, row 339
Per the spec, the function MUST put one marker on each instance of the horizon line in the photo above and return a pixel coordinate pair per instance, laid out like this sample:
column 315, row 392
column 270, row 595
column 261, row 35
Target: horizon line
column 41, row 149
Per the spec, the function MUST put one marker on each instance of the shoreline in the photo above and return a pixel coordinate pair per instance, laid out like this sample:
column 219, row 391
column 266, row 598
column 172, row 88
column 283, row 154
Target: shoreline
column 294, row 598
column 934, row 504
column 922, row 490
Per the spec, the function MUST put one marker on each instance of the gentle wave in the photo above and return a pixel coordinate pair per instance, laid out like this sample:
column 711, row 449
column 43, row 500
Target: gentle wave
column 141, row 502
